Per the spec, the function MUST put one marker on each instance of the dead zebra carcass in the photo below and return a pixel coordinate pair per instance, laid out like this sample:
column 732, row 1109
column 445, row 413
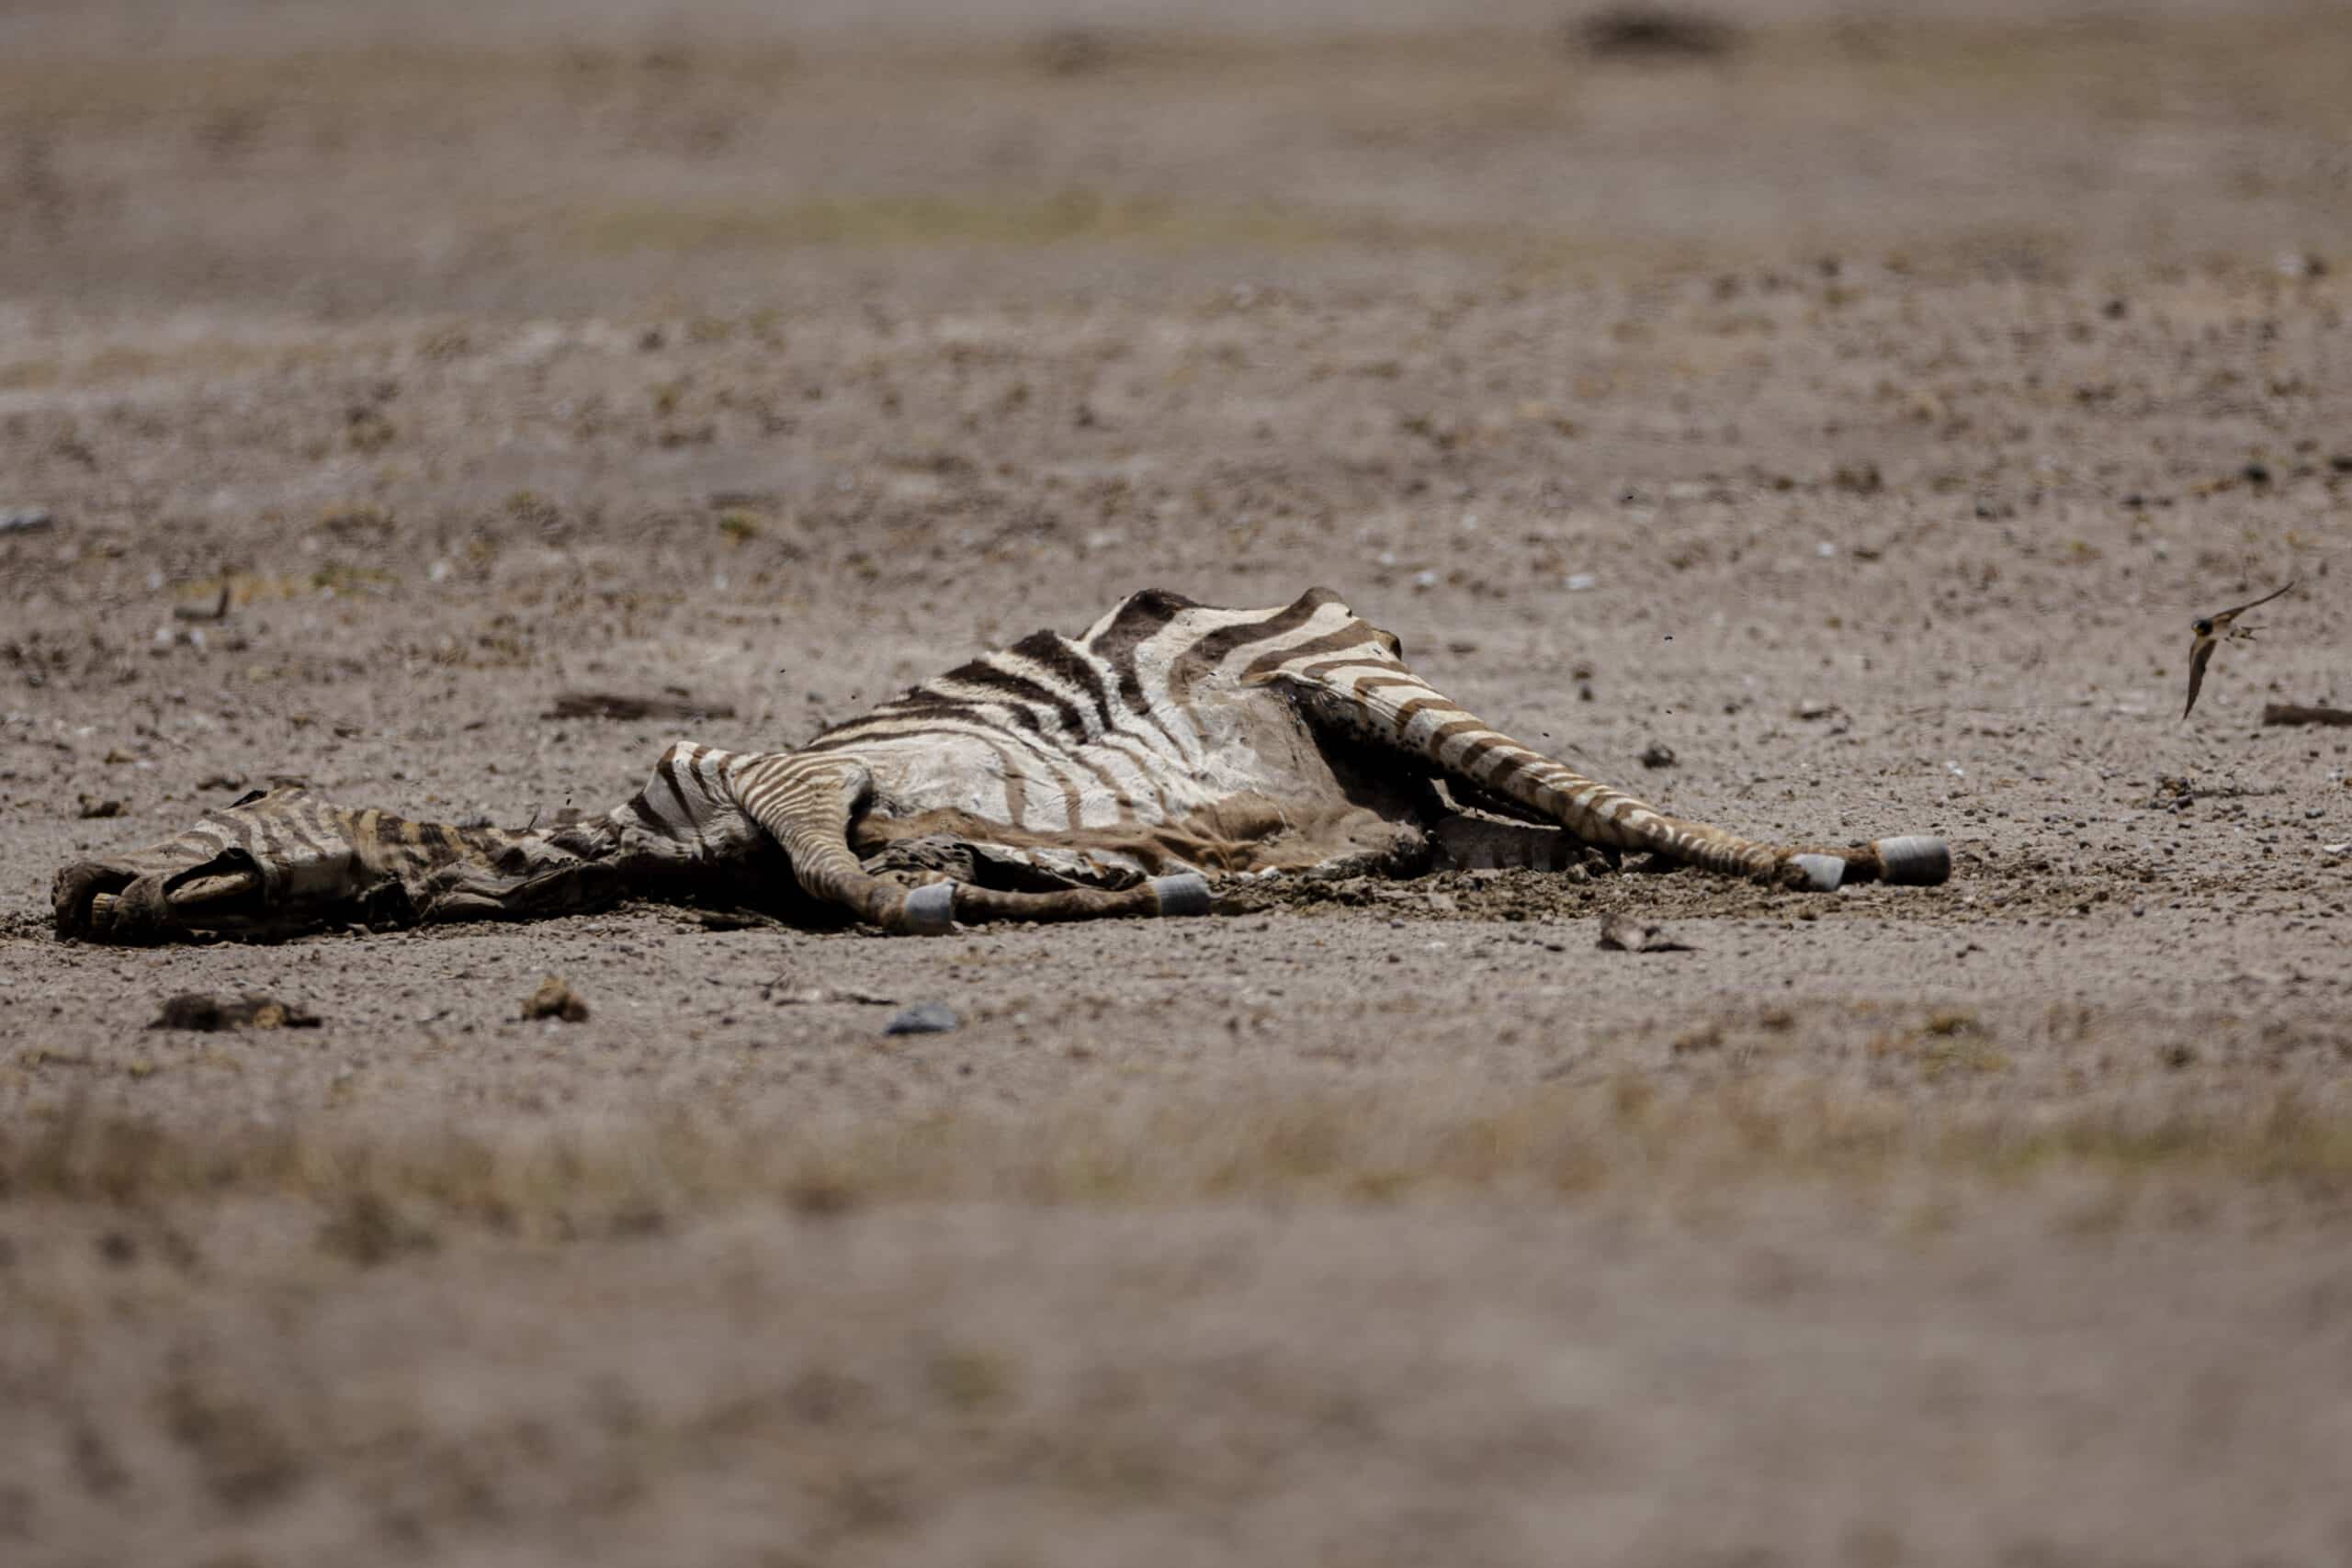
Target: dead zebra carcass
column 1059, row 778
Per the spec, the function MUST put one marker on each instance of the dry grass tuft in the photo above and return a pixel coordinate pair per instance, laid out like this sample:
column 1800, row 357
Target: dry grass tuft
column 381, row 1194
column 1015, row 221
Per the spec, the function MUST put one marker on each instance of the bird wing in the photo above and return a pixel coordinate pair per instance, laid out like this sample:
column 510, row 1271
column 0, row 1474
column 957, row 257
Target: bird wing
column 2224, row 617
column 2199, row 657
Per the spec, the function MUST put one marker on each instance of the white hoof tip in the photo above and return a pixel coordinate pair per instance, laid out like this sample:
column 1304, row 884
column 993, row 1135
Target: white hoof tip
column 1822, row 873
column 930, row 910
column 1913, row 860
column 1185, row 894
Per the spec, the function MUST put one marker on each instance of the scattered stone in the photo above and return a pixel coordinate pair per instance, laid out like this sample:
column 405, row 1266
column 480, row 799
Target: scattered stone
column 555, row 999
column 1630, row 933
column 618, row 704
column 925, row 1017
column 25, row 520
column 194, row 1010
column 94, row 809
column 1657, row 754
column 1814, row 707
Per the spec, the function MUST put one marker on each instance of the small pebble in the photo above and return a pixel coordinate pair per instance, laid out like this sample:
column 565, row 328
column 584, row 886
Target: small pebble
column 925, row 1017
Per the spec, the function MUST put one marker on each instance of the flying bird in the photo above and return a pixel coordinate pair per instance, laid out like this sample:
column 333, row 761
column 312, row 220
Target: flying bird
column 2210, row 632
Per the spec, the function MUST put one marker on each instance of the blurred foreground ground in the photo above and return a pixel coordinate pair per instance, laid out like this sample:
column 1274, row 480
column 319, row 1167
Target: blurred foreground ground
column 1859, row 409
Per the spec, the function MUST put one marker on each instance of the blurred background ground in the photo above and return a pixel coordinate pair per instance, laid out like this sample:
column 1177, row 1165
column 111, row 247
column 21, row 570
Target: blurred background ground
column 1856, row 401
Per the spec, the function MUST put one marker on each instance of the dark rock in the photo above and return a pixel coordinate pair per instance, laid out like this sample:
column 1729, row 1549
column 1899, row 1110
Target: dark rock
column 925, row 1017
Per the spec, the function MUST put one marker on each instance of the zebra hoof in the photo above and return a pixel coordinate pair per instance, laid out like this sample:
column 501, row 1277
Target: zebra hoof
column 1186, row 893
column 1915, row 860
column 1822, row 873
column 930, row 910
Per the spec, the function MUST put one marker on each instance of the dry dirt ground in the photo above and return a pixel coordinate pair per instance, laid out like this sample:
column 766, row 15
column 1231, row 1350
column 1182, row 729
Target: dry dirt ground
column 1860, row 410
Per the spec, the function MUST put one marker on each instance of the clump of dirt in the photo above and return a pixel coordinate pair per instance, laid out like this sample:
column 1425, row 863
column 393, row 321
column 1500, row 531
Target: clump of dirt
column 196, row 1010
column 626, row 705
column 555, row 999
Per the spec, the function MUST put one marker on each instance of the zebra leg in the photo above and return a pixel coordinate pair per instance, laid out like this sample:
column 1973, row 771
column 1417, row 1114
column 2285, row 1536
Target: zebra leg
column 807, row 808
column 807, row 803
column 1376, row 699
column 1185, row 892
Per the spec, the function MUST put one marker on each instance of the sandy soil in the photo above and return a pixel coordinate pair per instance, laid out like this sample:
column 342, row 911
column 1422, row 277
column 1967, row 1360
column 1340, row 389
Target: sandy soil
column 1862, row 415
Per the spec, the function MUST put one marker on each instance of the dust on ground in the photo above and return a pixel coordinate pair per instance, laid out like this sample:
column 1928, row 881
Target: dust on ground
column 1856, row 410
